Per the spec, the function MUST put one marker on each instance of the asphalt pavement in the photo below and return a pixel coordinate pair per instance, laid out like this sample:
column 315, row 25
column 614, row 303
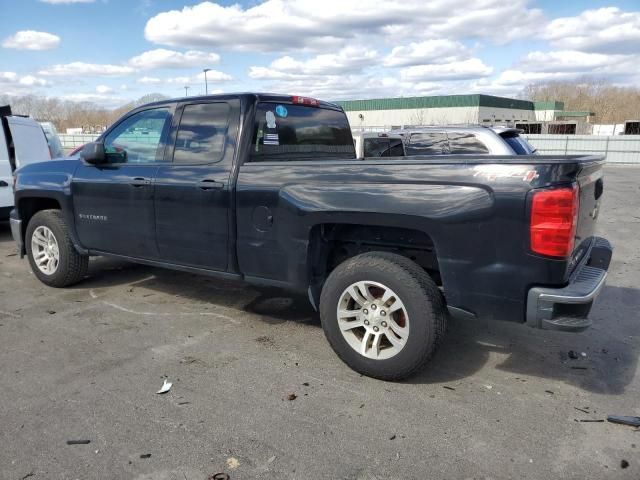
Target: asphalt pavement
column 258, row 393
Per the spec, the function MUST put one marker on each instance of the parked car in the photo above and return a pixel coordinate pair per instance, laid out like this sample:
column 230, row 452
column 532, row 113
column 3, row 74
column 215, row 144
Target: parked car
column 445, row 140
column 373, row 145
column 55, row 145
column 518, row 143
column 22, row 141
column 267, row 189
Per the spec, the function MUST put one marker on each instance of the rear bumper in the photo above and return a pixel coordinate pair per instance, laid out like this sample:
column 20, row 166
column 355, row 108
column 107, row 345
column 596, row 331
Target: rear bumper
column 567, row 308
column 16, row 231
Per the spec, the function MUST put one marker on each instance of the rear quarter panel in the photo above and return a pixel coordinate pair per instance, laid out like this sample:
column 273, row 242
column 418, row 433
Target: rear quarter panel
column 473, row 210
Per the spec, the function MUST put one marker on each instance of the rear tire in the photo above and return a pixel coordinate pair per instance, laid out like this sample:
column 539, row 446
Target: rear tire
column 394, row 332
column 52, row 256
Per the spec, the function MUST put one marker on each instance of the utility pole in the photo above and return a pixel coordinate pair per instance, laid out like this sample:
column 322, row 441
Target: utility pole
column 206, row 86
column 186, row 90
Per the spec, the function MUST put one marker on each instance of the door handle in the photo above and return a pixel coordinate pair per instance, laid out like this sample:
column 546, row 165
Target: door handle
column 210, row 184
column 140, row 182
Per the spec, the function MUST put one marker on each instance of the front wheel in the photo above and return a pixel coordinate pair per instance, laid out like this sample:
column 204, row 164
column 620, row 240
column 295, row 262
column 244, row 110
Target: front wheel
column 53, row 258
column 382, row 314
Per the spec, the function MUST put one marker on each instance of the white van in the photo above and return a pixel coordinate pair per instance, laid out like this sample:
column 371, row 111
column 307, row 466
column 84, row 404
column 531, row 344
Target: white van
column 22, row 141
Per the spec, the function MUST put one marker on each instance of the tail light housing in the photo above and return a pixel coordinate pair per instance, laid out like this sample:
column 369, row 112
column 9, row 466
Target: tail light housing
column 554, row 219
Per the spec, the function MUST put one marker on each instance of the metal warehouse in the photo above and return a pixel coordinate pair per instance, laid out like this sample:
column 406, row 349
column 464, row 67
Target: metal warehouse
column 533, row 117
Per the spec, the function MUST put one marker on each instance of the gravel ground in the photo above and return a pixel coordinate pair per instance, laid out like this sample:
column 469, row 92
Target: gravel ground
column 497, row 401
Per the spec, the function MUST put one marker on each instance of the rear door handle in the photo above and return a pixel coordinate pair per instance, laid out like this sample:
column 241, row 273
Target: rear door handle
column 210, row 184
column 140, row 182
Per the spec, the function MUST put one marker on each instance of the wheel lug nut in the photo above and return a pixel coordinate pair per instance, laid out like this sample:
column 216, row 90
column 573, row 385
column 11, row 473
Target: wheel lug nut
column 365, row 311
column 384, row 324
column 383, row 313
column 373, row 307
column 366, row 322
column 375, row 329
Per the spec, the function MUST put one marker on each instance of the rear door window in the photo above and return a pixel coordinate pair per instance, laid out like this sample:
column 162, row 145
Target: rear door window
column 465, row 143
column 427, row 143
column 202, row 133
column 383, row 147
column 285, row 132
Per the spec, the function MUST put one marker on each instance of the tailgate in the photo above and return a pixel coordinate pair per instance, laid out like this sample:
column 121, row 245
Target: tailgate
column 590, row 180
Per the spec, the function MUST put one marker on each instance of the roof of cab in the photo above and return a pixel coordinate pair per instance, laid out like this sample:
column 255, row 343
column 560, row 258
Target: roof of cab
column 260, row 97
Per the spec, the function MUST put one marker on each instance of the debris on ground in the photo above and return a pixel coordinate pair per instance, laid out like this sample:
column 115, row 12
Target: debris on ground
column 583, row 354
column 488, row 387
column 392, row 437
column 582, row 410
column 219, row 476
column 232, row 463
column 51, row 312
column 572, row 355
column 271, row 459
column 291, row 396
column 624, row 420
column 588, row 420
column 578, row 368
column 166, row 386
column 30, row 474
column 448, row 387
column 145, row 455
column 550, row 392
column 78, row 442
column 306, row 384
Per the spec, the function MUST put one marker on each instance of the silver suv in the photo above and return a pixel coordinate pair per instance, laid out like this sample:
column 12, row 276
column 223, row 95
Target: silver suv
column 465, row 140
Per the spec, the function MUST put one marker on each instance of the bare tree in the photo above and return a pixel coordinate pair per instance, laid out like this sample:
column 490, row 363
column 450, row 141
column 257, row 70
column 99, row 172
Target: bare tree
column 69, row 114
column 610, row 103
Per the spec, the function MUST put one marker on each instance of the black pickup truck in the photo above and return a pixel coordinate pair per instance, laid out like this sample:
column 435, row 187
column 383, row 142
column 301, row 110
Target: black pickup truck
column 267, row 189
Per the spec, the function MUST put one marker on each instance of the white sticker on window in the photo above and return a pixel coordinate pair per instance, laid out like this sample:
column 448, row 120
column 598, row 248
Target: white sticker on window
column 271, row 119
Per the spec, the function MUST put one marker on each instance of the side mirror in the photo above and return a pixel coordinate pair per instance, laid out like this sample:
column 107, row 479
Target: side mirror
column 93, row 153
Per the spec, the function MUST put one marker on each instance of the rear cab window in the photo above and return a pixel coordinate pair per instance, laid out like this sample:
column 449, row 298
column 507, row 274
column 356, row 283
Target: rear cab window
column 286, row 132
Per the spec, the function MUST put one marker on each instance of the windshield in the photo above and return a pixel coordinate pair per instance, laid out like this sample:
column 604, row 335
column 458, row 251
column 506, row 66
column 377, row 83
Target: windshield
column 297, row 132
column 518, row 144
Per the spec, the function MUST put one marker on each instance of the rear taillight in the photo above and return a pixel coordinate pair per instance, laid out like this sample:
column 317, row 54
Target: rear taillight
column 310, row 102
column 554, row 218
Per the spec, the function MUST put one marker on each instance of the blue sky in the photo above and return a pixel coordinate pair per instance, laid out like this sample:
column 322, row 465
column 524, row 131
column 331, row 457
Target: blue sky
column 112, row 51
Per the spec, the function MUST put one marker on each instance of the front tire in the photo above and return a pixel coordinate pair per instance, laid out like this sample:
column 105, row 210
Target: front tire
column 52, row 256
column 382, row 314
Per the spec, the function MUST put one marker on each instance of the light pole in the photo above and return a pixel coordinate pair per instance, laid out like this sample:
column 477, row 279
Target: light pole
column 206, row 87
column 186, row 90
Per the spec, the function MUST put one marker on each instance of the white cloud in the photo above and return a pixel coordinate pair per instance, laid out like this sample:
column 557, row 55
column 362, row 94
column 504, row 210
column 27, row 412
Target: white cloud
column 12, row 83
column 606, row 30
column 31, row 40
column 461, row 70
column 87, row 69
column 347, row 60
column 428, row 51
column 162, row 58
column 284, row 25
column 149, row 80
column 104, row 89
